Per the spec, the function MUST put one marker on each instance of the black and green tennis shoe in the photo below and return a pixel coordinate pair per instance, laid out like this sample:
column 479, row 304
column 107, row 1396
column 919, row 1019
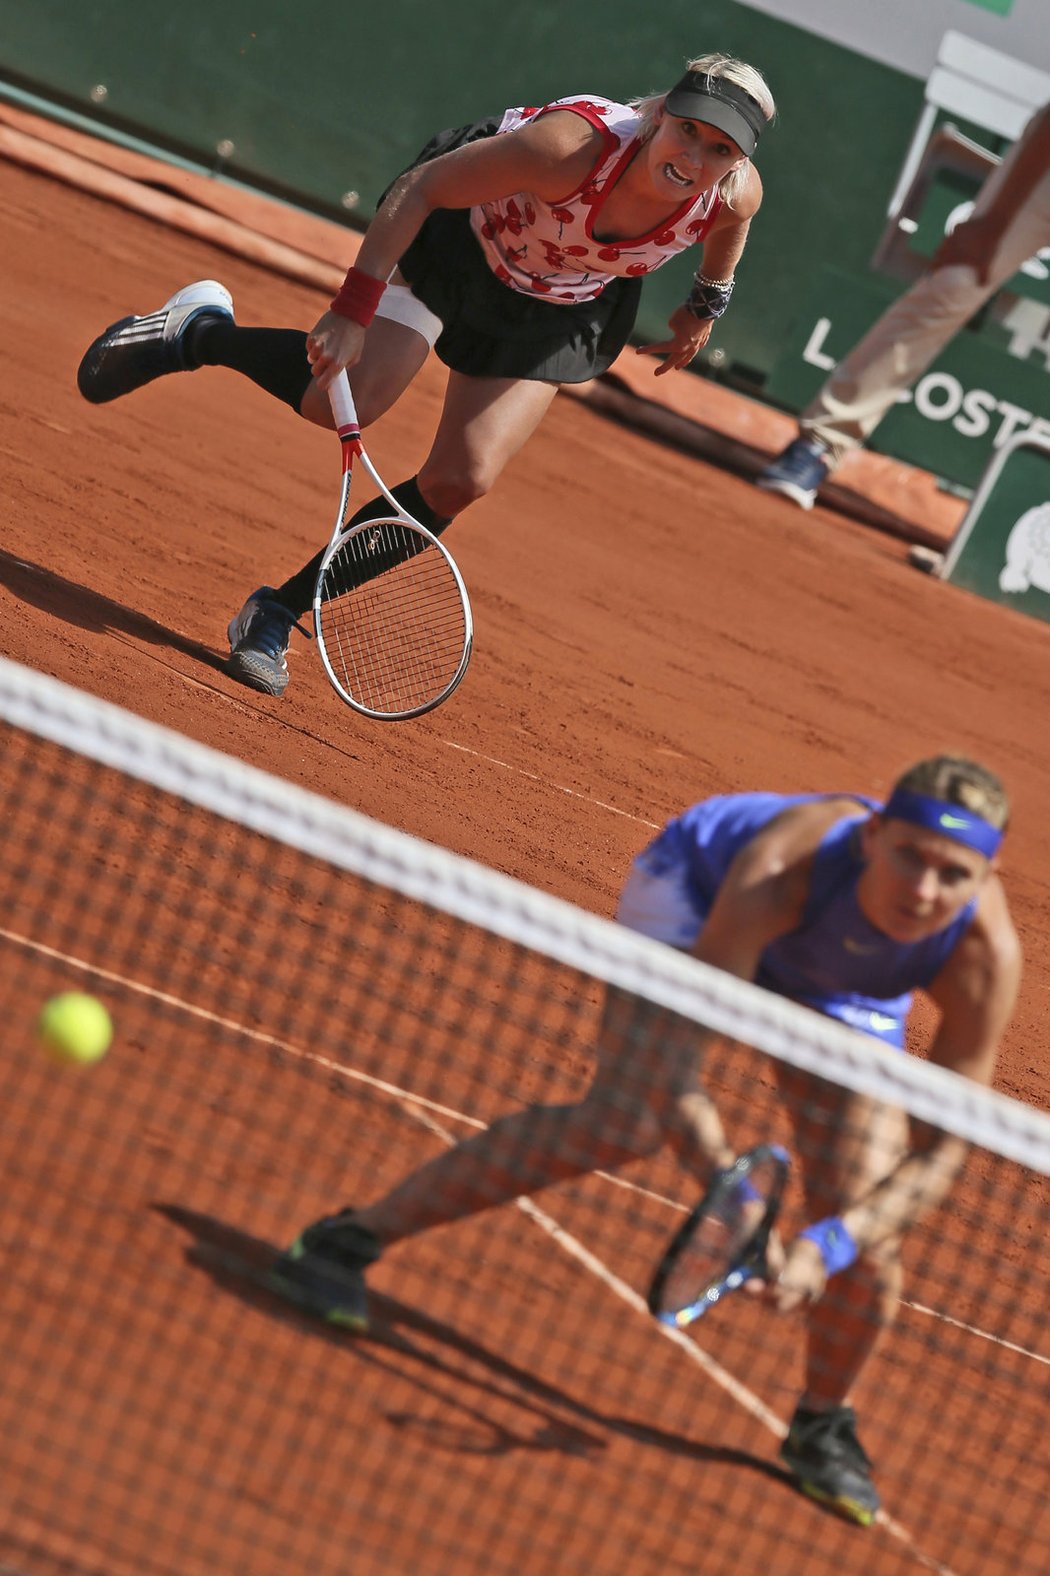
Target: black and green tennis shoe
column 829, row 1463
column 323, row 1272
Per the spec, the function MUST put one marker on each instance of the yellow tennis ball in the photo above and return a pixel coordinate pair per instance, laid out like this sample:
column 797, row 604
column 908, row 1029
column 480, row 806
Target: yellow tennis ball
column 75, row 1028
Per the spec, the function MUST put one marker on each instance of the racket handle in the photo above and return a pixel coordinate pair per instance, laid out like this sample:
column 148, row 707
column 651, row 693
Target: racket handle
column 342, row 401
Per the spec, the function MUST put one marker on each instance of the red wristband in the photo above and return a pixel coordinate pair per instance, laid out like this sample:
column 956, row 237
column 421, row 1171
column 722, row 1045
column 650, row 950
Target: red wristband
column 358, row 297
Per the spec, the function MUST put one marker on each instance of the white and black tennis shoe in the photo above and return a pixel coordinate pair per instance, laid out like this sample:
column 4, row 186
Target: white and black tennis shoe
column 135, row 350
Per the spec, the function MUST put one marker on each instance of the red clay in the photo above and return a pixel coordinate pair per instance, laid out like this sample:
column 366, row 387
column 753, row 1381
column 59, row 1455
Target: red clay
column 649, row 630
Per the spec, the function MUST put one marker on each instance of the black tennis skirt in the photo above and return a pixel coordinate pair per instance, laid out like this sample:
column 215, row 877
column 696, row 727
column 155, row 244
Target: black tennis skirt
column 492, row 331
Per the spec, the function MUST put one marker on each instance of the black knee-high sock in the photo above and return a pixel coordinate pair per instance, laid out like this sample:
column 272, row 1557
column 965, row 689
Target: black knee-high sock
column 274, row 358
column 297, row 593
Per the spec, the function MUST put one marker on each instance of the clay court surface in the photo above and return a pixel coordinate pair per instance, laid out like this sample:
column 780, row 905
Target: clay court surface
column 649, row 630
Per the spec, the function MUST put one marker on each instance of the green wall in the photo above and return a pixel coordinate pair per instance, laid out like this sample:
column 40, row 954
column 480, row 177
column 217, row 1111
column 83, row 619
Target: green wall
column 321, row 100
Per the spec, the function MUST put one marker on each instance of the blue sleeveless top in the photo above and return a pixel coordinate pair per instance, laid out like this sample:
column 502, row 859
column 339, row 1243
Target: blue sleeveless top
column 835, row 960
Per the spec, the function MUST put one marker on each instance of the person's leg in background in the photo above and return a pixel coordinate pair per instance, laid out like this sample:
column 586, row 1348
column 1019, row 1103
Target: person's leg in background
column 899, row 347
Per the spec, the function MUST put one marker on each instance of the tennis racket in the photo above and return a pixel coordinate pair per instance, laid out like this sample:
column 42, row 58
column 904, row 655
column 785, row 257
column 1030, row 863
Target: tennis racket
column 723, row 1242
column 391, row 613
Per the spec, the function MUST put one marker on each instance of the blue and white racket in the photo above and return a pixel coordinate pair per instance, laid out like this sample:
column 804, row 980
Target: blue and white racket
column 723, row 1242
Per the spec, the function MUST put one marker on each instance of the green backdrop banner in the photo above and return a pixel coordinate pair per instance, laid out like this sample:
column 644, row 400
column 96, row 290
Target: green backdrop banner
column 325, row 103
column 1002, row 550
column 972, row 399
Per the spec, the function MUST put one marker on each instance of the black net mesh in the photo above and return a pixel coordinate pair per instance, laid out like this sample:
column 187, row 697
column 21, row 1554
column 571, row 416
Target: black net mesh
column 292, row 1037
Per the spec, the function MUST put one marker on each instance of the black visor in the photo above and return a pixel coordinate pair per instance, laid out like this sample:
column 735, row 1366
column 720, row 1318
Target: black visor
column 720, row 103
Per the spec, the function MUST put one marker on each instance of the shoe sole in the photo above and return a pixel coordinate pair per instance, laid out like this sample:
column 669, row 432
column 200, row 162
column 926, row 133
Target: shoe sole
column 805, row 500
column 848, row 1509
column 257, row 672
column 340, row 1317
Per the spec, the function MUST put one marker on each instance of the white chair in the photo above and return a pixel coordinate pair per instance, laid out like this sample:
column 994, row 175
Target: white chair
column 982, row 85
column 993, row 92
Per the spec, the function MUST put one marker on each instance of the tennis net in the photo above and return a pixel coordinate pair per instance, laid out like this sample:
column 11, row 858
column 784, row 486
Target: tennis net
column 308, row 1005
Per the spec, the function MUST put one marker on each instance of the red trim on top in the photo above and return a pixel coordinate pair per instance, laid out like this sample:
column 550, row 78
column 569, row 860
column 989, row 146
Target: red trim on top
column 592, row 114
column 625, row 243
column 350, row 438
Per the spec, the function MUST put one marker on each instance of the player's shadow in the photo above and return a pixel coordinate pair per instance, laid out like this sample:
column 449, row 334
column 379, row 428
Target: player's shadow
column 90, row 610
column 239, row 1263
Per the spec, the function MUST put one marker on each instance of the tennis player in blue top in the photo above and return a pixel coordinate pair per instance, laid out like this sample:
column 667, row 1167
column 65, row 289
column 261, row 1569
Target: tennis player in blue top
column 834, row 901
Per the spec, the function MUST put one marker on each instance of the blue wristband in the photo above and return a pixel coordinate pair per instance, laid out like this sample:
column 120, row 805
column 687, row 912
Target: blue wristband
column 837, row 1247
column 744, row 1190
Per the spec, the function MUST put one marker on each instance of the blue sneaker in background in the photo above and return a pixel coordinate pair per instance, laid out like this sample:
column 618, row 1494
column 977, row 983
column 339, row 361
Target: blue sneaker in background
column 798, row 472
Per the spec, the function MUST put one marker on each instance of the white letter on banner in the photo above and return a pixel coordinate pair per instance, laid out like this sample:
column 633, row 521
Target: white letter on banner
column 1014, row 417
column 1040, row 428
column 924, row 401
column 813, row 353
column 977, row 407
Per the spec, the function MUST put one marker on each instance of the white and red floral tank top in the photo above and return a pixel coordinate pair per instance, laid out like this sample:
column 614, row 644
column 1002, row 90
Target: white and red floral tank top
column 550, row 249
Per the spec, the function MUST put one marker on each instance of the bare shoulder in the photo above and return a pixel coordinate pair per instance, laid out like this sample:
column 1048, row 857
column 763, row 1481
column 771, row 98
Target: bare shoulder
column 552, row 154
column 549, row 156
column 795, row 834
column 985, row 966
column 977, row 989
column 562, row 133
column 747, row 202
column 772, row 872
column 995, row 930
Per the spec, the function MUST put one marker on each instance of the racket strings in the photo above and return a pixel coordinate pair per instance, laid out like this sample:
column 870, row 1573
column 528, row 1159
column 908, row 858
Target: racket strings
column 392, row 618
column 711, row 1248
column 369, row 554
column 720, row 1238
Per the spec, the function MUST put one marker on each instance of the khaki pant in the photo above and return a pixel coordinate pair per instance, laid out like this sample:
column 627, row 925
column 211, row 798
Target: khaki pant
column 899, row 347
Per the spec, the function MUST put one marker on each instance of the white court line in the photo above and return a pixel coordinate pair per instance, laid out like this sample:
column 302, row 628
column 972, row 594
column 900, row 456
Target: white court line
column 534, row 777
column 971, row 1329
column 418, row 1106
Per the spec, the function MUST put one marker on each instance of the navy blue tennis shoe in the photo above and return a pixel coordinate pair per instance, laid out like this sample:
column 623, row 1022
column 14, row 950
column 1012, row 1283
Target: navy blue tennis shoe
column 797, row 473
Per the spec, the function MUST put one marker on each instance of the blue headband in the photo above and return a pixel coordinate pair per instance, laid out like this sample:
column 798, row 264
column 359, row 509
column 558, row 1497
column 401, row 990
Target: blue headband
column 951, row 820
